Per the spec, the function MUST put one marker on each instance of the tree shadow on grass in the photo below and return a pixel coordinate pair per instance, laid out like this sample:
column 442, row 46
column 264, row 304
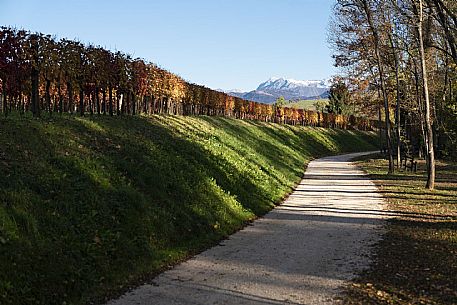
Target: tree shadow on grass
column 416, row 261
column 106, row 198
column 403, row 276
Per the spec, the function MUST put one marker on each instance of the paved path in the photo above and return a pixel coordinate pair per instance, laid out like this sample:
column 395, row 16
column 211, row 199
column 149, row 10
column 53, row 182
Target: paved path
column 300, row 253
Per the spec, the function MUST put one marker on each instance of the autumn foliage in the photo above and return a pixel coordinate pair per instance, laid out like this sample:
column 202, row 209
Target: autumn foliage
column 40, row 73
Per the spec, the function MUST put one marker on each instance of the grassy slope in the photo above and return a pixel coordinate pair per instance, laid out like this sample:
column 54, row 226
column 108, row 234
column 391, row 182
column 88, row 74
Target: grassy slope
column 305, row 104
column 416, row 262
column 90, row 205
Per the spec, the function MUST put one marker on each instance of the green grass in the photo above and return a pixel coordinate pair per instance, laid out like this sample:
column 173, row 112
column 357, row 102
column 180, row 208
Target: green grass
column 306, row 104
column 90, row 206
column 416, row 262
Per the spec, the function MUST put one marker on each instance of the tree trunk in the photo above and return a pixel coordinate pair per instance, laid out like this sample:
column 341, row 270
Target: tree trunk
column 104, row 101
column 145, row 104
column 91, row 102
column 124, row 103
column 397, row 108
column 417, row 82
column 35, row 80
column 35, row 95
column 81, row 102
column 21, row 104
column 110, row 97
column 118, row 101
column 381, row 144
column 48, row 95
column 428, row 125
column 5, row 103
column 97, row 101
column 165, row 103
column 382, row 82
column 59, row 89
column 70, row 97
column 127, row 108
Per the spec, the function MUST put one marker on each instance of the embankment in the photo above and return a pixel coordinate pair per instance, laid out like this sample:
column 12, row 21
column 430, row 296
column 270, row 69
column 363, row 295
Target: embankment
column 91, row 205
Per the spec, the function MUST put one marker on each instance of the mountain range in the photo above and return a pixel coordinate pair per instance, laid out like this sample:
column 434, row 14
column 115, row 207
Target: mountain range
column 290, row 89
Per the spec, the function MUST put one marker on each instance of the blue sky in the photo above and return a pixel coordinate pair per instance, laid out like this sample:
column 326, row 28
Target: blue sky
column 223, row 44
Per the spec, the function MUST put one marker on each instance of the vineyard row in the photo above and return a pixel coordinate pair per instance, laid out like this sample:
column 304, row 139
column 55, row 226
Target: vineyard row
column 39, row 73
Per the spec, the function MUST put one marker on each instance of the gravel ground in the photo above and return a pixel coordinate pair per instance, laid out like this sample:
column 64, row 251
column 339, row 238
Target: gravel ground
column 302, row 252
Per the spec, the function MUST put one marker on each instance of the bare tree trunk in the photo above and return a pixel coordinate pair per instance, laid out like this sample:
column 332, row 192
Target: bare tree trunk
column 428, row 126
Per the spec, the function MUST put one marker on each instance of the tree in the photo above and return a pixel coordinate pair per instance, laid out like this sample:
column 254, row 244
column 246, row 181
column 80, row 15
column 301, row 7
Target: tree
column 280, row 101
column 339, row 98
column 320, row 105
column 428, row 124
column 404, row 49
column 368, row 9
column 358, row 39
column 40, row 72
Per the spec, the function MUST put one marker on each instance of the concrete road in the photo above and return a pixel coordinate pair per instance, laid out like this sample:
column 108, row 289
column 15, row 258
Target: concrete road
column 300, row 253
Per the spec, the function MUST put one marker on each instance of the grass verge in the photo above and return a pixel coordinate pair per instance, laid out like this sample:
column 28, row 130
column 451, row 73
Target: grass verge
column 89, row 206
column 416, row 262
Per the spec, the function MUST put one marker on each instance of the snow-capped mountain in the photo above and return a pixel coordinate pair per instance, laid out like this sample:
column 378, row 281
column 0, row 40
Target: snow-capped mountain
column 290, row 89
column 281, row 83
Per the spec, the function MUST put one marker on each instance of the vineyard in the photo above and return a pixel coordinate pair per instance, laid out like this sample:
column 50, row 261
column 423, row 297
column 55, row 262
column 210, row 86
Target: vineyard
column 40, row 73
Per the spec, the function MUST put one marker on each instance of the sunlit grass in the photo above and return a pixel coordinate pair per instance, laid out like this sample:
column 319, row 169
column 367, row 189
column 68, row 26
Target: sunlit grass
column 307, row 104
column 91, row 205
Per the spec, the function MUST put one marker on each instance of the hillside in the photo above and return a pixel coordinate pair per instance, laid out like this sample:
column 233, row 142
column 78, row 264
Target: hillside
column 306, row 104
column 91, row 205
